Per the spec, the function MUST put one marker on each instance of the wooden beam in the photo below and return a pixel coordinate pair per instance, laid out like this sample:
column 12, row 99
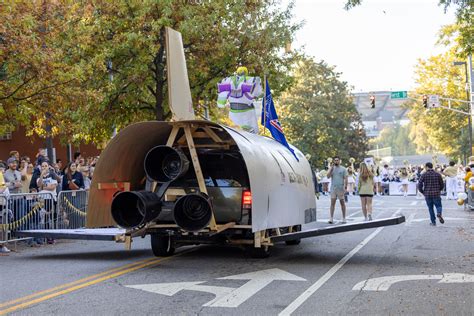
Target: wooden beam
column 213, row 135
column 198, row 171
column 223, row 146
column 172, row 137
column 125, row 186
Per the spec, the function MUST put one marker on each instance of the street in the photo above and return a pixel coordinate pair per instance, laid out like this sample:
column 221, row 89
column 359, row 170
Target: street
column 411, row 268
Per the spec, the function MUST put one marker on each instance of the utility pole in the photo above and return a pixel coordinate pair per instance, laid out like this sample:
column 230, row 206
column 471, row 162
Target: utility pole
column 110, row 69
column 468, row 96
column 48, row 128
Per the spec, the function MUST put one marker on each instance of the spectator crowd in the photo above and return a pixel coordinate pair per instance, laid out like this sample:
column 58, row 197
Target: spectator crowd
column 453, row 176
column 23, row 174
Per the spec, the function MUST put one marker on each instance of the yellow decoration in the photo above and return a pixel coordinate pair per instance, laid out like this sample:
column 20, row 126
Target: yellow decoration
column 242, row 70
column 471, row 187
column 460, row 202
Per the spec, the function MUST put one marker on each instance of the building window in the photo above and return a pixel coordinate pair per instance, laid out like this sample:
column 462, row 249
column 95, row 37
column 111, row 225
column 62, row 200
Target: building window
column 7, row 136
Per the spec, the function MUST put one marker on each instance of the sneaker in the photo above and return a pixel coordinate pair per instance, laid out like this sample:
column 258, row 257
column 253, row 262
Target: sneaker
column 441, row 219
column 4, row 249
column 370, row 217
column 432, row 224
column 343, row 221
column 330, row 221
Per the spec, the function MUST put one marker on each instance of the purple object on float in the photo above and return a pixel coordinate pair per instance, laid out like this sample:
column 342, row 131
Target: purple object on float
column 221, row 87
column 246, row 88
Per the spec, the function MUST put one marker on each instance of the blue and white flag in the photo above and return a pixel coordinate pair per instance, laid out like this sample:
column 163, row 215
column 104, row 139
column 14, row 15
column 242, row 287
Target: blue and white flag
column 270, row 119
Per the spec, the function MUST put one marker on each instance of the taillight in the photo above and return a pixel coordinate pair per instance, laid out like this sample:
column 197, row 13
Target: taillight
column 246, row 199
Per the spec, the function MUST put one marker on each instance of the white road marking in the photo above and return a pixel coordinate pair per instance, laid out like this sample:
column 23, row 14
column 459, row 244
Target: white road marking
column 414, row 203
column 445, row 218
column 170, row 289
column 410, row 218
column 258, row 280
column 384, row 283
column 225, row 296
column 457, row 278
column 313, row 288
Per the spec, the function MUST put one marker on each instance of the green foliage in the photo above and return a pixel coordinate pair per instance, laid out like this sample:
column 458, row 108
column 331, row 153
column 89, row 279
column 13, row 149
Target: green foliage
column 319, row 117
column 440, row 130
column 398, row 138
column 464, row 24
column 56, row 52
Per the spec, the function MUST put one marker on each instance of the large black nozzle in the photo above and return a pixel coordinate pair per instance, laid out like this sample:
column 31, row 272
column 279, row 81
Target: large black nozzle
column 192, row 212
column 134, row 208
column 164, row 163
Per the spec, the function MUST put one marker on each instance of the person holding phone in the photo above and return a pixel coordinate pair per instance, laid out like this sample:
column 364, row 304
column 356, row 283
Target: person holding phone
column 72, row 179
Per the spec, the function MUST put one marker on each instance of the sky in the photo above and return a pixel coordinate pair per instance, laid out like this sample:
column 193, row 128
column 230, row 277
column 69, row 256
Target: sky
column 375, row 45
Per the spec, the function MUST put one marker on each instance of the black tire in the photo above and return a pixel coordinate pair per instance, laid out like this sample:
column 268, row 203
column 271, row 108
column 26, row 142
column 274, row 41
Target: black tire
column 162, row 246
column 259, row 253
column 296, row 228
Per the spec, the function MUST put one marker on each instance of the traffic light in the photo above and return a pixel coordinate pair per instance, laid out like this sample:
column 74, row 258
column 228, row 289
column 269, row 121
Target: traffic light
column 425, row 101
column 372, row 101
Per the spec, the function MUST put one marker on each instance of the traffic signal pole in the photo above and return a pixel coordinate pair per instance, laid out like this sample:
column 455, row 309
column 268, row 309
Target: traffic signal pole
column 469, row 112
column 469, row 107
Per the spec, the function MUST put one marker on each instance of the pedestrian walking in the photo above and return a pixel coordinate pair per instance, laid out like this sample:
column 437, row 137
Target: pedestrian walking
column 338, row 175
column 430, row 185
column 366, row 190
column 451, row 173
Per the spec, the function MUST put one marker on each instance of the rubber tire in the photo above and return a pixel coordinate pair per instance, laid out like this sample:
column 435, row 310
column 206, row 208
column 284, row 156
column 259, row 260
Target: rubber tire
column 296, row 242
column 259, row 253
column 160, row 245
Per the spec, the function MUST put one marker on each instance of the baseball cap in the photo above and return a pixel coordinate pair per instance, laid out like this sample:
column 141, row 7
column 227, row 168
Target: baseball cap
column 12, row 160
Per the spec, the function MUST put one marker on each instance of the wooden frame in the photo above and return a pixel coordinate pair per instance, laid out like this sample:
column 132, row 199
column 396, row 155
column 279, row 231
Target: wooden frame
column 191, row 132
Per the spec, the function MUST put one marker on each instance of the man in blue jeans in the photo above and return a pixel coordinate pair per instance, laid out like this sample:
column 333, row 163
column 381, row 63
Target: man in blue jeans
column 430, row 185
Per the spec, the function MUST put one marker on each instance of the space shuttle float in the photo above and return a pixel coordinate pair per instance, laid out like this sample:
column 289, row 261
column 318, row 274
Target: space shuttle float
column 190, row 181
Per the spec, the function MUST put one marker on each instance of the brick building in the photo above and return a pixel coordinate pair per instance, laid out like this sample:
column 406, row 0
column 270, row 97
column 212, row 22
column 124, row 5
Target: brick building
column 28, row 146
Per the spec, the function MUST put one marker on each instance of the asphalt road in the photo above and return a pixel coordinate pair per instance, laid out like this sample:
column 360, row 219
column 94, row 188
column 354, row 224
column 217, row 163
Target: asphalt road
column 412, row 269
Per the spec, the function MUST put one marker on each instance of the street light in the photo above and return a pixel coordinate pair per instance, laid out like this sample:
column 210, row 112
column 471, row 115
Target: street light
column 460, row 63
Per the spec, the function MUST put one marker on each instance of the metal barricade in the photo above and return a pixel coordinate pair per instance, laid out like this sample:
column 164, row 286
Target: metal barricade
column 23, row 211
column 470, row 200
column 4, row 219
column 72, row 209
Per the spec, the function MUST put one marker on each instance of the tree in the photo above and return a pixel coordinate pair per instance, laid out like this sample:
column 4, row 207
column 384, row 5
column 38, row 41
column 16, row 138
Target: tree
column 36, row 80
column 439, row 130
column 319, row 117
column 84, row 37
column 398, row 138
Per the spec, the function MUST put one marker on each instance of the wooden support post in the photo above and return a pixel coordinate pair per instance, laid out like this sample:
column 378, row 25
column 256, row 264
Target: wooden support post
column 128, row 242
column 258, row 239
column 172, row 138
column 212, row 134
column 198, row 171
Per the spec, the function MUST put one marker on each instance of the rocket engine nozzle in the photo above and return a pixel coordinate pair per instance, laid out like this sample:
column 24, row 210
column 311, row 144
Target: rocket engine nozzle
column 131, row 209
column 165, row 164
column 192, row 212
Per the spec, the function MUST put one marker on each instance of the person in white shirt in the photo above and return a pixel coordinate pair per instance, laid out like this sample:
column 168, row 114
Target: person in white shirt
column 47, row 184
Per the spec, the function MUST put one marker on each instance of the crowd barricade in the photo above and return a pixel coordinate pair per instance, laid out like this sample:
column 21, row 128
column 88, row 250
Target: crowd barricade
column 21, row 211
column 4, row 219
column 29, row 211
column 72, row 209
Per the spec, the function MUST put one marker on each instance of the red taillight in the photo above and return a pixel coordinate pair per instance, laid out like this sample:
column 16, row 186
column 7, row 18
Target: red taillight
column 246, row 199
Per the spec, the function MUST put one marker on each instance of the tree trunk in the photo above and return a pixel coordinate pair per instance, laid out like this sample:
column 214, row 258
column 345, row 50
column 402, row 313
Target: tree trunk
column 159, row 77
